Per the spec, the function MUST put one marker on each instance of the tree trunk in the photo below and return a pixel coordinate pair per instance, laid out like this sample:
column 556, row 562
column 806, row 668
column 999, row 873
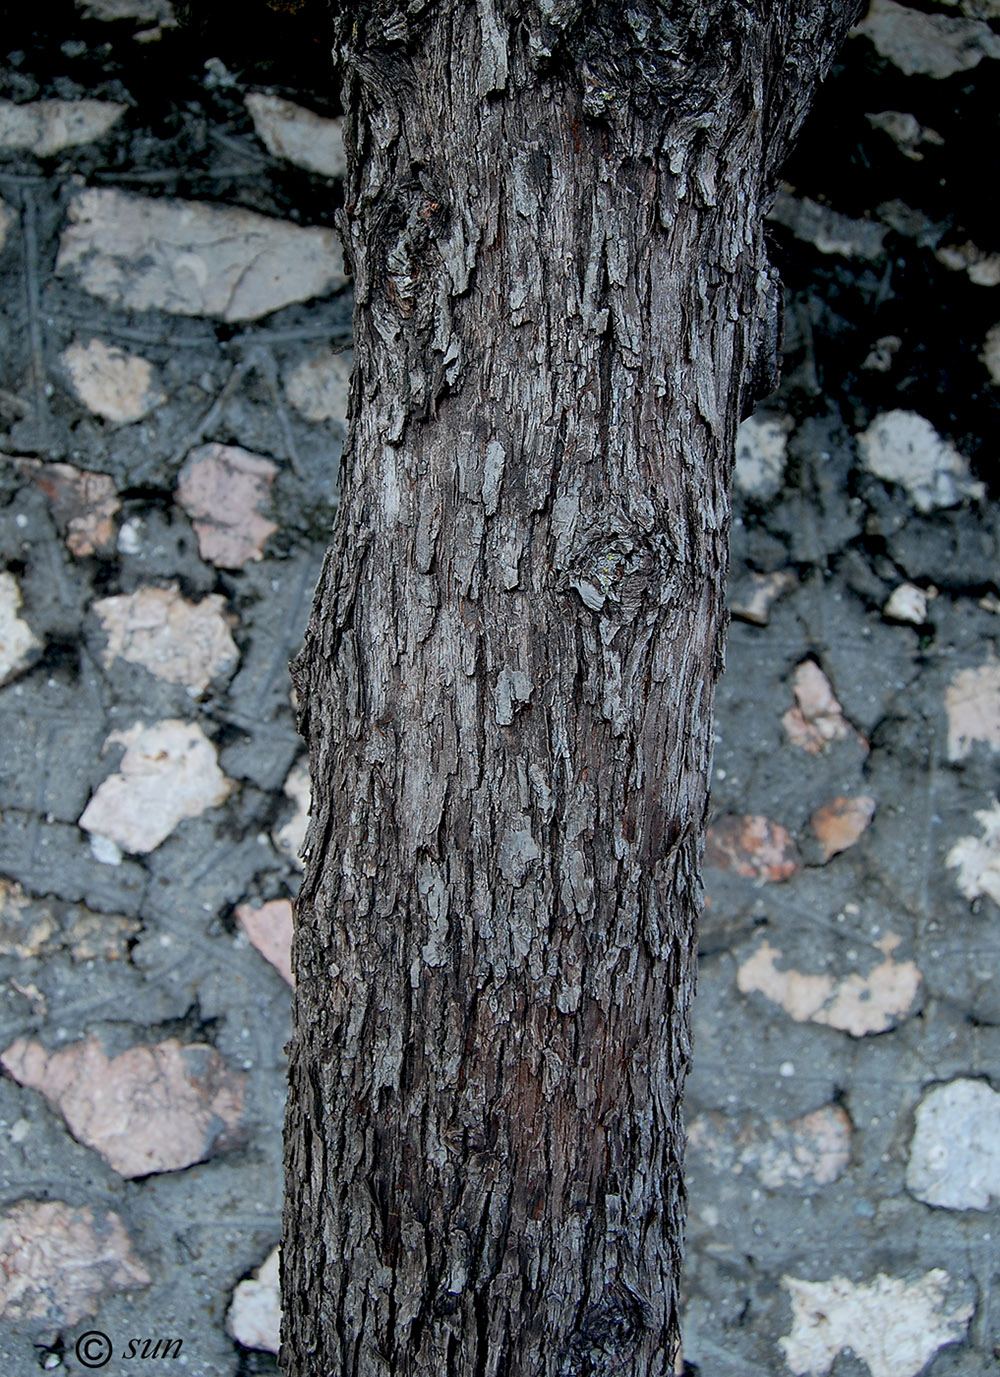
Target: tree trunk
column 562, row 300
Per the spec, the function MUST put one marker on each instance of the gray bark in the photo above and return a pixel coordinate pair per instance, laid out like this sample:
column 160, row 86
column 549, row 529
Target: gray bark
column 554, row 219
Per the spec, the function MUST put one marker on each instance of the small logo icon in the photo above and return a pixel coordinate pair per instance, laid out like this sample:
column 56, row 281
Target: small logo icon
column 93, row 1349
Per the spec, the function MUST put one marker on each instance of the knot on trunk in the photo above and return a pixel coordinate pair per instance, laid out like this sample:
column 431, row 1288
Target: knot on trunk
column 607, row 1335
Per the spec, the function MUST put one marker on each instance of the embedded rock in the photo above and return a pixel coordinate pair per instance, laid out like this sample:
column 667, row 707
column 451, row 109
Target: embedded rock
column 151, row 1109
column 194, row 259
column 58, row 1262
column 302, row 137
column 111, row 383
column 45, row 127
column 169, row 772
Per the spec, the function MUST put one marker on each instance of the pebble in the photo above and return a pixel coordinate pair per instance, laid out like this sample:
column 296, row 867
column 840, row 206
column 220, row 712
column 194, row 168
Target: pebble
column 840, row 823
column 903, row 447
column 299, row 135
column 990, row 356
column 892, row 1324
column 855, row 1004
column 907, row 603
column 906, row 132
column 828, row 230
column 817, row 720
column 269, row 928
column 319, row 388
column 813, row 1150
column 193, row 258
column 954, row 1159
column 982, row 267
column 751, row 845
column 83, row 504
column 25, row 928
column 752, row 596
column 45, row 127
column 977, row 859
column 254, row 1317
column 112, row 384
column 222, row 488
column 179, row 641
column 151, row 1109
column 169, row 772
column 58, row 1262
column 972, row 705
column 290, row 838
column 19, row 645
column 934, row 45
column 761, row 453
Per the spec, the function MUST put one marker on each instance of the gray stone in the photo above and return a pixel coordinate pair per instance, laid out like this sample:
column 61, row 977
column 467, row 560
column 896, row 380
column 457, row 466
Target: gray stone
column 45, row 127
column 954, row 1157
column 194, row 259
column 935, row 45
column 302, row 137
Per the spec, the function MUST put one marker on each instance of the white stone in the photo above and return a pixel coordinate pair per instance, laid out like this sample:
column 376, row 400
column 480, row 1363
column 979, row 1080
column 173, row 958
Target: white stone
column 972, row 704
column 902, row 447
column 194, row 259
column 955, row 1153
column 299, row 135
column 111, row 383
column 934, row 45
column 977, row 859
column 761, row 451
column 893, row 1325
column 169, row 772
column 179, row 641
column 8, row 218
column 319, row 388
column 827, row 229
column 104, row 850
column 44, row 127
column 982, row 268
column 146, row 11
column 991, row 352
column 905, row 130
column 254, row 1318
column 18, row 642
column 290, row 837
column 907, row 603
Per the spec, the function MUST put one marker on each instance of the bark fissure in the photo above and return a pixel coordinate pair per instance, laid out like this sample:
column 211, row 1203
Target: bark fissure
column 507, row 684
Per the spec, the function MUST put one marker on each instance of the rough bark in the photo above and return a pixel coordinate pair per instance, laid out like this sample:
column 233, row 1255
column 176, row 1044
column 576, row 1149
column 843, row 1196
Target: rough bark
column 562, row 301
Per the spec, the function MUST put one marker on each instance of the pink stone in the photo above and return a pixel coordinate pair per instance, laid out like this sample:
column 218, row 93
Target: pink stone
column 841, row 822
column 222, row 489
column 83, row 504
column 751, row 845
column 150, row 1109
column 57, row 1261
column 813, row 1150
column 817, row 718
column 269, row 928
